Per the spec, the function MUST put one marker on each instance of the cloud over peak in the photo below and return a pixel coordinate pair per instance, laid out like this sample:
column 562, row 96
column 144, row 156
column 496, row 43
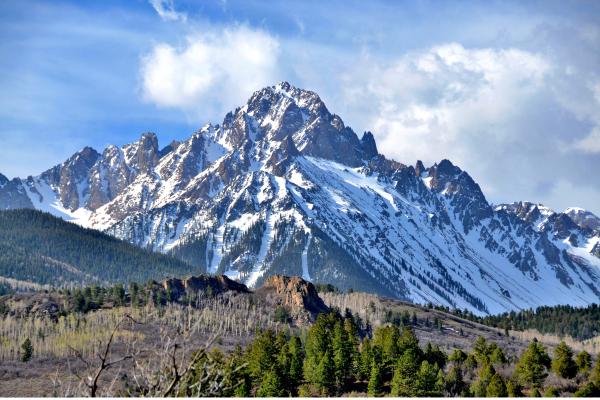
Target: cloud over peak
column 212, row 73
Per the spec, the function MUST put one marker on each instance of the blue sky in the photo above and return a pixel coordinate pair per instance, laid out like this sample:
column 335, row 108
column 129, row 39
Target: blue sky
column 509, row 91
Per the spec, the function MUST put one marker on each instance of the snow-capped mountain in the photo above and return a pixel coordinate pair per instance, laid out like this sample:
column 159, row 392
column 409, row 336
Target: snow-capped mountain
column 283, row 186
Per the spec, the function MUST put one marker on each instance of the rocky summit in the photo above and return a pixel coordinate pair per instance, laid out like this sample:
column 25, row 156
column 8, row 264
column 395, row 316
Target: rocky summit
column 283, row 186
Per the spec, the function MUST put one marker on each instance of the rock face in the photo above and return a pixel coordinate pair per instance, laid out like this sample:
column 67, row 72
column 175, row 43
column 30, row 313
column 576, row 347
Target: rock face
column 13, row 194
column 208, row 285
column 295, row 294
column 283, row 187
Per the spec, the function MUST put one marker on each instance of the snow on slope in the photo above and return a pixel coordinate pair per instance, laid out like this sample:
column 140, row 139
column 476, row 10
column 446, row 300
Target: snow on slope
column 283, row 186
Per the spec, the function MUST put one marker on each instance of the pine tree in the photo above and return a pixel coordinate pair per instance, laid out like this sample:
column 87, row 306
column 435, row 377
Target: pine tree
column 26, row 350
column 375, row 387
column 270, row 385
column 427, row 380
column 366, row 359
column 405, row 381
column 262, row 355
column 496, row 387
column 484, row 376
column 325, row 374
column 583, row 361
column 296, row 354
column 455, row 384
column 533, row 364
column 563, row 364
column 341, row 355
column 514, row 388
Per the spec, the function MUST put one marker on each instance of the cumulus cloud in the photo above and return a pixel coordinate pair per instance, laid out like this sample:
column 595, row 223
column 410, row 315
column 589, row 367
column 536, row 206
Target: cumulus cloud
column 166, row 10
column 512, row 118
column 212, row 73
column 425, row 102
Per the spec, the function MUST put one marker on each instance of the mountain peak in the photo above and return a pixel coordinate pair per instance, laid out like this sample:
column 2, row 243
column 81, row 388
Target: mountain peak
column 583, row 218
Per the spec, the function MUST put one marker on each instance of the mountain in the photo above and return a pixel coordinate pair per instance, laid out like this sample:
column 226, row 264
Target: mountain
column 38, row 248
column 283, row 186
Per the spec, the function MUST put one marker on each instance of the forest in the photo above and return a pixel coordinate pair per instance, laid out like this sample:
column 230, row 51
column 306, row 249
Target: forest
column 580, row 323
column 40, row 248
column 339, row 354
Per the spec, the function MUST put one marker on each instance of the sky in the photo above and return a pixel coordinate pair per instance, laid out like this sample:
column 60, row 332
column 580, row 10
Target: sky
column 508, row 91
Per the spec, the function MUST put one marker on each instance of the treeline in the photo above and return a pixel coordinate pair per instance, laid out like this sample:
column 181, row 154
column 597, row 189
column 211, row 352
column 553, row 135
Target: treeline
column 38, row 247
column 578, row 322
column 94, row 297
column 333, row 358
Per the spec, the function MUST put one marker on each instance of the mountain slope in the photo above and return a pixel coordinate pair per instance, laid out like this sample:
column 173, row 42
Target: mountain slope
column 282, row 186
column 40, row 248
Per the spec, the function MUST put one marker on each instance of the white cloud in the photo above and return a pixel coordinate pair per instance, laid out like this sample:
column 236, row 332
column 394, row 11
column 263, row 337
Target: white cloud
column 166, row 10
column 213, row 73
column 423, row 104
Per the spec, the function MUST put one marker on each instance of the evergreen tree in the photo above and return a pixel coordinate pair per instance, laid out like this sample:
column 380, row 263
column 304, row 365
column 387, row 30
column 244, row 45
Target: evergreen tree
column 496, row 387
column 583, row 361
column 262, row 355
column 588, row 390
column 341, row 355
column 270, row 385
column 26, row 350
column 405, row 382
column 496, row 355
column 375, row 387
column 552, row 392
column 366, row 359
column 318, row 342
column 455, row 384
column 458, row 357
column 514, row 388
column 484, row 376
column 434, row 355
column 563, row 364
column 325, row 374
column 533, row 364
column 386, row 339
column 428, row 381
column 296, row 354
column 408, row 340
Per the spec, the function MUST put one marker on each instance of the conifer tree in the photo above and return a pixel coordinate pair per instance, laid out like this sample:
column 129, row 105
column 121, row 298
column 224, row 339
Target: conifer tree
column 26, row 350
column 427, row 378
column 583, row 361
column 375, row 386
column 270, row 385
column 263, row 355
column 563, row 364
column 325, row 374
column 533, row 364
column 366, row 359
column 455, row 384
column 484, row 376
column 405, row 382
column 296, row 354
column 496, row 387
column 341, row 355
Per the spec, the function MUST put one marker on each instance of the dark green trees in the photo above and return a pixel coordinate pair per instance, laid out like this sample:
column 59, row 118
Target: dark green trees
column 583, row 361
column 563, row 364
column 375, row 387
column 533, row 365
column 26, row 350
column 496, row 387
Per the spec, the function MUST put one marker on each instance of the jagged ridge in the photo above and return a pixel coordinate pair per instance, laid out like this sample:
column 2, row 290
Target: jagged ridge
column 283, row 186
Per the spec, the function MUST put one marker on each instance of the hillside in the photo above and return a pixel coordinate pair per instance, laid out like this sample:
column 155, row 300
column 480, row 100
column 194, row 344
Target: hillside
column 38, row 248
column 254, row 334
